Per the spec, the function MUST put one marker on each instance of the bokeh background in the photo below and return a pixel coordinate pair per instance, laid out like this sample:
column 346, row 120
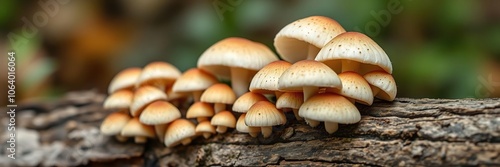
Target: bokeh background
column 439, row 49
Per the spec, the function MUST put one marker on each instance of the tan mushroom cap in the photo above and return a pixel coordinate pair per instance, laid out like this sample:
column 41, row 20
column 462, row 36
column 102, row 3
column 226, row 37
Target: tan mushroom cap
column 134, row 128
column 383, row 85
column 347, row 50
column 265, row 115
column 308, row 73
column 355, row 87
column 179, row 131
column 223, row 120
column 194, row 79
column 159, row 74
column 143, row 96
column 200, row 109
column 244, row 102
column 304, row 37
column 291, row 100
column 125, row 79
column 220, row 94
column 242, row 127
column 114, row 123
column 266, row 79
column 119, row 100
column 205, row 128
column 159, row 112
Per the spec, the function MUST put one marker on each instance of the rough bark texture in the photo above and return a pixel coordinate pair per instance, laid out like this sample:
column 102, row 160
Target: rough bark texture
column 406, row 132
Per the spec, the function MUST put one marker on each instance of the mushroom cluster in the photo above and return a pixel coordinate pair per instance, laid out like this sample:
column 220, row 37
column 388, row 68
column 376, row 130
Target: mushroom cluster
column 324, row 72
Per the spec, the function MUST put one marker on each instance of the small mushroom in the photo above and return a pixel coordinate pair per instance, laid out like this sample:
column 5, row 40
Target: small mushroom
column 179, row 131
column 125, row 79
column 264, row 114
column 114, row 123
column 121, row 99
column 140, row 132
column 382, row 84
column 158, row 74
column 223, row 120
column 205, row 128
column 220, row 94
column 159, row 114
column 144, row 96
column 242, row 127
column 201, row 111
column 291, row 100
column 355, row 88
column 194, row 81
column 244, row 102
column 266, row 79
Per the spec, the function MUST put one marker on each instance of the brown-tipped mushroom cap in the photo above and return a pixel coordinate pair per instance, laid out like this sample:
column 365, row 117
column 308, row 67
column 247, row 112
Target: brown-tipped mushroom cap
column 125, row 79
column 291, row 100
column 354, row 51
column 223, row 120
column 265, row 115
column 194, row 81
column 114, row 123
column 134, row 128
column 266, row 79
column 302, row 39
column 158, row 74
column 119, row 100
column 220, row 94
column 205, row 128
column 355, row 87
column 244, row 102
column 143, row 96
column 200, row 110
column 159, row 112
column 238, row 59
column 383, row 85
column 179, row 131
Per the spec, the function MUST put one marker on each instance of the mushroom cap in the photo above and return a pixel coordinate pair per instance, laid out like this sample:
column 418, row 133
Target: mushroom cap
column 179, row 130
column 357, row 47
column 235, row 52
column 385, row 82
column 290, row 100
column 219, row 93
column 135, row 128
column 200, row 109
column 158, row 71
column 242, row 127
column 143, row 96
column 354, row 86
column 119, row 99
column 204, row 127
column 114, row 123
column 266, row 79
column 194, row 79
column 330, row 107
column 159, row 112
column 308, row 73
column 293, row 40
column 245, row 101
column 264, row 113
column 125, row 79
column 224, row 118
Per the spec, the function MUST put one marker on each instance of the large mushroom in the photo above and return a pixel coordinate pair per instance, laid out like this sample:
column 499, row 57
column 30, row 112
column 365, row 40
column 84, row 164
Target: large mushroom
column 266, row 79
column 194, row 81
column 302, row 39
column 382, row 84
column 158, row 74
column 238, row 59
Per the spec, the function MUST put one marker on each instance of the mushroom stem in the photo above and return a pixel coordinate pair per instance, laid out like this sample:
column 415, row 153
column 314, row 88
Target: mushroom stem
column 206, row 135
column 312, row 51
column 120, row 138
column 266, row 131
column 240, row 80
column 349, row 65
column 312, row 123
column 331, row 127
column 140, row 139
column 201, row 119
column 375, row 90
column 296, row 113
column 254, row 134
column 186, row 141
column 221, row 129
column 197, row 95
column 218, row 107
column 309, row 91
column 160, row 130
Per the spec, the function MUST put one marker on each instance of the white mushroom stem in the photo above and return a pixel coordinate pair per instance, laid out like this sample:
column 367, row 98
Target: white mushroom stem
column 218, row 107
column 201, row 119
column 197, row 95
column 221, row 129
column 140, row 139
column 312, row 51
column 349, row 65
column 120, row 138
column 240, row 80
column 186, row 141
column 266, row 131
column 206, row 135
column 331, row 127
column 160, row 131
column 296, row 113
column 375, row 90
column 310, row 91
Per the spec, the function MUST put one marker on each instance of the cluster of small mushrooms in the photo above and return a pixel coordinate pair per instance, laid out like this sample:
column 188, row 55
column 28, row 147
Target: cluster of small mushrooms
column 324, row 71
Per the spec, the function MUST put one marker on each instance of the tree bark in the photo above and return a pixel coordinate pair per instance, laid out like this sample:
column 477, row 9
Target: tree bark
column 406, row 132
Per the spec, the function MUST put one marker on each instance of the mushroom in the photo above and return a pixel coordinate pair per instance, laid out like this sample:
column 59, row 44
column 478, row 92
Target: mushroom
column 302, row 39
column 309, row 76
column 242, row 127
column 159, row 114
column 205, row 128
column 264, row 114
column 354, row 51
column 291, row 100
column 125, row 79
column 223, row 120
column 382, row 84
column 114, row 123
column 179, row 131
column 140, row 132
column 238, row 59
column 201, row 111
column 330, row 108
column 266, row 79
column 143, row 96
column 354, row 88
column 194, row 81
column 158, row 74
column 244, row 102
column 121, row 99
column 220, row 94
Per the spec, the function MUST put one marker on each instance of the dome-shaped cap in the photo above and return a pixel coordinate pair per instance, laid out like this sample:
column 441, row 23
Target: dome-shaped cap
column 383, row 81
column 125, row 79
column 159, row 112
column 159, row 72
column 354, row 86
column 266, row 79
column 179, row 130
column 244, row 102
column 143, row 96
column 264, row 113
column 219, row 93
column 114, row 123
column 119, row 99
column 308, row 73
column 194, row 79
column 330, row 107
